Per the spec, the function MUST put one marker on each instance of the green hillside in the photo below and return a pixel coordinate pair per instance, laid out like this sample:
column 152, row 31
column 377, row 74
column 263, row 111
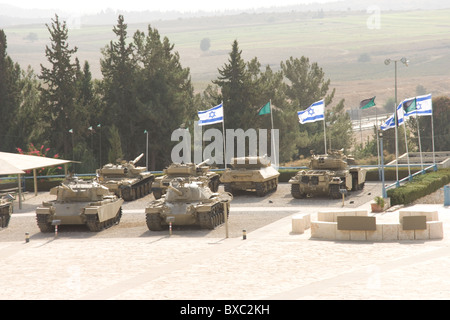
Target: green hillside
column 351, row 54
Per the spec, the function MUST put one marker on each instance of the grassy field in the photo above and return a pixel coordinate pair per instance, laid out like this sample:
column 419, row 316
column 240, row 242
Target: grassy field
column 337, row 42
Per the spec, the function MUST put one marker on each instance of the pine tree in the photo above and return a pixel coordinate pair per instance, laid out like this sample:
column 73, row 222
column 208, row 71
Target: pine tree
column 59, row 90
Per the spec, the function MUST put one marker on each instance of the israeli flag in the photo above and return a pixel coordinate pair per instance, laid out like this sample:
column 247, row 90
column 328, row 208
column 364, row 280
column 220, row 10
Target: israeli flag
column 211, row 116
column 388, row 124
column 315, row 112
column 424, row 107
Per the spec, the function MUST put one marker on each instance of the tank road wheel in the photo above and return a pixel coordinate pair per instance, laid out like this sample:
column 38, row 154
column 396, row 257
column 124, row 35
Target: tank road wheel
column 126, row 193
column 153, row 221
column 43, row 224
column 295, row 191
column 93, row 223
column 334, row 191
column 206, row 220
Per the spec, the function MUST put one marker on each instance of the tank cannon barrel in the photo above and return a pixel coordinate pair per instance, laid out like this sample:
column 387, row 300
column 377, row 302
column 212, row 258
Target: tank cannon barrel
column 139, row 157
column 202, row 163
column 178, row 192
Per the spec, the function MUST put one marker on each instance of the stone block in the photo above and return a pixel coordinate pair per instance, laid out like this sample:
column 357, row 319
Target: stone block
column 422, row 234
column 376, row 235
column 323, row 230
column 390, row 231
column 342, row 235
column 362, row 213
column 405, row 234
column 431, row 215
column 356, row 235
column 436, row 229
column 326, row 216
column 298, row 223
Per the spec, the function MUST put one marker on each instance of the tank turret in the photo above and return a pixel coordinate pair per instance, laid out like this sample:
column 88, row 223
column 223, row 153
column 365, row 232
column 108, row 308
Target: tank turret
column 250, row 173
column 126, row 180
column 80, row 202
column 188, row 202
column 196, row 172
column 328, row 175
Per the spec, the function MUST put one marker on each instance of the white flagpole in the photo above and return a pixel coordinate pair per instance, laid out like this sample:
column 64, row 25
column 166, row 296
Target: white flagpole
column 432, row 136
column 406, row 145
column 324, row 130
column 223, row 133
column 272, row 137
column 420, row 142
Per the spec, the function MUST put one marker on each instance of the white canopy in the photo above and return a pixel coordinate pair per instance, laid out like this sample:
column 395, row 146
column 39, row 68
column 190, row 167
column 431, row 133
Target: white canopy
column 26, row 162
column 14, row 163
column 6, row 168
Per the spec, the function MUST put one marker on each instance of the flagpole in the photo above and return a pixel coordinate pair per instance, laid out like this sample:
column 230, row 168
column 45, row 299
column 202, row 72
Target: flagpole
column 223, row 133
column 324, row 130
column 432, row 137
column 378, row 143
column 406, row 146
column 272, row 137
column 420, row 142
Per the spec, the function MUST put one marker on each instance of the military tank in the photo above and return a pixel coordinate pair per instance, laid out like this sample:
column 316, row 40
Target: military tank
column 328, row 175
column 250, row 173
column 5, row 212
column 198, row 172
column 126, row 180
column 188, row 202
column 80, row 202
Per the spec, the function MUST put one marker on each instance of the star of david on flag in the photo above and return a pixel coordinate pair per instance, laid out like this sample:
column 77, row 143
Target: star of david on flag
column 424, row 106
column 211, row 116
column 313, row 113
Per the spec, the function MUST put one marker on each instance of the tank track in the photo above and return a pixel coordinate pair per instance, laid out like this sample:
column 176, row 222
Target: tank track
column 4, row 220
column 95, row 225
column 43, row 223
column 5, row 215
column 263, row 188
column 334, row 191
column 137, row 190
column 295, row 191
column 212, row 219
column 154, row 221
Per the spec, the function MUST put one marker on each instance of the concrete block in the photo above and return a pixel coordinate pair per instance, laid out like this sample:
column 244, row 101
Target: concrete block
column 356, row 235
column 342, row 235
column 390, row 231
column 298, row 224
column 422, row 234
column 362, row 213
column 431, row 215
column 323, row 230
column 405, row 234
column 376, row 235
column 326, row 216
column 436, row 229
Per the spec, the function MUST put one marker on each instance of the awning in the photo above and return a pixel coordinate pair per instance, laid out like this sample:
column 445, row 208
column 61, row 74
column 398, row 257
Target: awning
column 21, row 162
column 6, row 168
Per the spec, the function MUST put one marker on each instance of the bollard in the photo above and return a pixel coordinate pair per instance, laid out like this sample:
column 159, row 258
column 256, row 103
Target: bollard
column 446, row 196
column 244, row 234
column 56, row 223
column 170, row 220
column 27, row 237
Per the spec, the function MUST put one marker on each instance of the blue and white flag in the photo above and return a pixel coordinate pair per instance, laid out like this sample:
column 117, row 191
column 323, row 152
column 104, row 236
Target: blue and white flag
column 315, row 112
column 211, row 116
column 424, row 106
column 388, row 124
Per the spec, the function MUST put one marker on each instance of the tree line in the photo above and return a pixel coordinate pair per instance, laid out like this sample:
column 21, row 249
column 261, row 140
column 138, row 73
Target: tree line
column 145, row 90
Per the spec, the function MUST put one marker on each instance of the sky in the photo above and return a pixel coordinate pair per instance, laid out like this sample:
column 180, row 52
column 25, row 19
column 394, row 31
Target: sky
column 82, row 6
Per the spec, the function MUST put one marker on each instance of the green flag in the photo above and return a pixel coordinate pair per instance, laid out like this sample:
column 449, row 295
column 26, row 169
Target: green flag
column 367, row 103
column 265, row 109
